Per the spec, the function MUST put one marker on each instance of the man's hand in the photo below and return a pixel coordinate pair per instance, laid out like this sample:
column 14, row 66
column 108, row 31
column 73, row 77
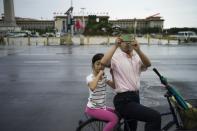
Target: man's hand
column 118, row 41
column 135, row 45
column 145, row 60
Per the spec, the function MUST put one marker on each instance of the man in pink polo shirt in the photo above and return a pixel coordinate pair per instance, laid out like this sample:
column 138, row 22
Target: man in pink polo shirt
column 126, row 66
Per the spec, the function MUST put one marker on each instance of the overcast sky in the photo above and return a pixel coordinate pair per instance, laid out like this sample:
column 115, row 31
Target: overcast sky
column 176, row 13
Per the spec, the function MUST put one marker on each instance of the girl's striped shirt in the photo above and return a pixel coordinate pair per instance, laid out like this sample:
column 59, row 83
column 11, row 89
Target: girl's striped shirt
column 97, row 98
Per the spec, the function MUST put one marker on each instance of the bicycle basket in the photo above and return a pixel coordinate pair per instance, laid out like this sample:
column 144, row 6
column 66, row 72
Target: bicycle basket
column 188, row 116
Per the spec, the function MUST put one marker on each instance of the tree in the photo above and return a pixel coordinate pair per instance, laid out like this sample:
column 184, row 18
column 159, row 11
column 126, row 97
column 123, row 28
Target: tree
column 101, row 27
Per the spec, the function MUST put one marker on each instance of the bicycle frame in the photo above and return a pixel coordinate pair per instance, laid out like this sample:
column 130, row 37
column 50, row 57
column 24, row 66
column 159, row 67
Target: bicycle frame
column 172, row 112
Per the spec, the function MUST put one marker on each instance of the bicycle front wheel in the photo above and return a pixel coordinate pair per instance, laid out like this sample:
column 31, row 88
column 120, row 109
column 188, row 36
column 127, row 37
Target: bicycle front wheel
column 92, row 124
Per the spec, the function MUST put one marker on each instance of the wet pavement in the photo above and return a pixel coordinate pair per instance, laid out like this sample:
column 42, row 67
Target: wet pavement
column 43, row 88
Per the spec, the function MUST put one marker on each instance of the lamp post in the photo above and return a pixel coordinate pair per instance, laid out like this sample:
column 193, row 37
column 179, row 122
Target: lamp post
column 83, row 17
column 135, row 26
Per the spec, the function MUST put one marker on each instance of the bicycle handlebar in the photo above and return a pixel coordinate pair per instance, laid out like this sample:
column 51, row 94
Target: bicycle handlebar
column 157, row 72
column 162, row 79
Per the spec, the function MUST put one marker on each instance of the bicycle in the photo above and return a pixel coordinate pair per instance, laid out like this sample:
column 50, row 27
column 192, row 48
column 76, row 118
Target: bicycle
column 176, row 104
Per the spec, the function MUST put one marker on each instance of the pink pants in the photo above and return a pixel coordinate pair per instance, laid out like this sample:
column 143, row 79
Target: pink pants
column 104, row 114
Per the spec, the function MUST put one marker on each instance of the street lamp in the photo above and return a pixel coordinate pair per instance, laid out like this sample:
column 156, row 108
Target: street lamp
column 83, row 17
column 135, row 26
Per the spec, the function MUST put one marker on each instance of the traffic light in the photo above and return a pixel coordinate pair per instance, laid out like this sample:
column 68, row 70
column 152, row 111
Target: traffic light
column 72, row 21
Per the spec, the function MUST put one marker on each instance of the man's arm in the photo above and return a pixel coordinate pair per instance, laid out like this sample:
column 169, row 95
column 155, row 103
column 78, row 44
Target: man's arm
column 145, row 60
column 108, row 55
column 111, row 84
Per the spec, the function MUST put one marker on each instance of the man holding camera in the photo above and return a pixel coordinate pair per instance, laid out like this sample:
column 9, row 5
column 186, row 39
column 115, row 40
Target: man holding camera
column 126, row 67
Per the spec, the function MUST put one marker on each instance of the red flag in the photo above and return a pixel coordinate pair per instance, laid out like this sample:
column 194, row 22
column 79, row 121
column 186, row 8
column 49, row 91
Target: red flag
column 78, row 24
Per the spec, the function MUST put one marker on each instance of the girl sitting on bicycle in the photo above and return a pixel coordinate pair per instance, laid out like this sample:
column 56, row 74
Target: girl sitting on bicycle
column 97, row 82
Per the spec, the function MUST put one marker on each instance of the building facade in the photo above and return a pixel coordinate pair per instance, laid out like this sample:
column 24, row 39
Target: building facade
column 60, row 23
column 151, row 22
column 33, row 24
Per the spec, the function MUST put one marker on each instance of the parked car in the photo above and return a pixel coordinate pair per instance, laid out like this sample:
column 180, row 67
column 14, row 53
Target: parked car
column 48, row 35
column 16, row 34
column 60, row 34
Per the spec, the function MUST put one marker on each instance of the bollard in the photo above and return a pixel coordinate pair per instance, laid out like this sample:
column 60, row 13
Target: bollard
column 107, row 40
column 47, row 40
column 69, row 39
column 160, row 39
column 168, row 40
column 61, row 40
column 179, row 41
column 8, row 40
column 148, row 39
column 2, row 41
column 88, row 39
column 20, row 43
column 81, row 40
column 29, row 41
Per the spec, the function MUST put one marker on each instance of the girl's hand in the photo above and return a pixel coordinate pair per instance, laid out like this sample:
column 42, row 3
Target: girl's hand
column 101, row 73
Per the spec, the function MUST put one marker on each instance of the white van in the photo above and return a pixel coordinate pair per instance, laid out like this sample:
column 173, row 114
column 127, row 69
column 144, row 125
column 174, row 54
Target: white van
column 186, row 36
